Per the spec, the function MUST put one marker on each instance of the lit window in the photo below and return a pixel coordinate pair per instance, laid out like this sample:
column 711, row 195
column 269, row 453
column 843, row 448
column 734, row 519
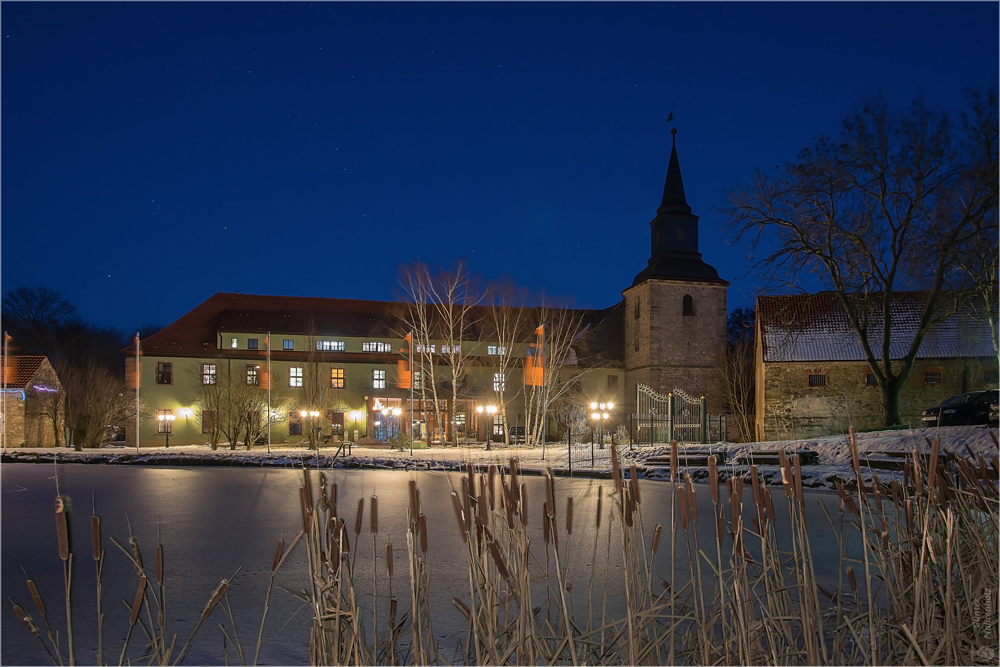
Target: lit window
column 932, row 377
column 253, row 375
column 498, row 424
column 418, row 380
column 288, row 344
column 817, row 380
column 208, row 375
column 496, row 349
column 295, row 376
column 234, row 343
column 499, row 382
column 330, row 345
column 378, row 379
column 251, row 343
column 337, row 378
column 374, row 346
column 163, row 423
column 451, row 349
column 427, row 349
column 164, row 373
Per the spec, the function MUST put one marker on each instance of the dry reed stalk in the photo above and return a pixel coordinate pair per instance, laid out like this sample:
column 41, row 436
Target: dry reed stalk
column 673, row 460
column 137, row 603
column 423, row 533
column 277, row 555
column 682, row 506
column 374, row 515
column 786, row 473
column 524, row 504
column 307, row 482
column 388, row 561
column 656, row 539
column 798, row 483
column 692, row 503
column 360, row 517
column 491, row 484
column 459, row 517
column 569, row 515
column 306, row 509
column 633, row 483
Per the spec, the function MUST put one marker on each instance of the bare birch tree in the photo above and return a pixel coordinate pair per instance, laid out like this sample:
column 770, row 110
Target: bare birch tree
column 736, row 379
column 887, row 207
column 504, row 326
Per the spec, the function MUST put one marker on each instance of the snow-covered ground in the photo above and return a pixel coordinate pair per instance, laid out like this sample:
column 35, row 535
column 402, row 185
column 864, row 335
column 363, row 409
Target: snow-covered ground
column 833, row 452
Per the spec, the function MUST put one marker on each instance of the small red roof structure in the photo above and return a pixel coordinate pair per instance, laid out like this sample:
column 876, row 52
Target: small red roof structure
column 22, row 369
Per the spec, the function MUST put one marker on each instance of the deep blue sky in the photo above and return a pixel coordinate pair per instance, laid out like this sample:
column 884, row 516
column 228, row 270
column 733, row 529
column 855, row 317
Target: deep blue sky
column 154, row 154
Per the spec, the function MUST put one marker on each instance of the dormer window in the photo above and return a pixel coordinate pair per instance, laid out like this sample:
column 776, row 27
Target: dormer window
column 688, row 305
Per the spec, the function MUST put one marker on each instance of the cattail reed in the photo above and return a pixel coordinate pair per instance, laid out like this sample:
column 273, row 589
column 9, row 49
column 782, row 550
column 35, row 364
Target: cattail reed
column 333, row 499
column 388, row 558
column 656, row 538
column 374, row 515
column 498, row 560
column 766, row 492
column 458, row 517
column 308, row 484
column 713, row 479
column 95, row 536
column 933, row 465
column 514, row 486
column 62, row 528
column 360, row 517
column 159, row 564
column 414, row 507
column 550, row 495
column 600, row 501
column 26, row 620
column 855, row 459
column 461, row 607
column 633, row 483
column 545, row 521
column 629, row 507
column 136, row 604
column 423, row 533
column 217, row 594
column 786, row 473
column 853, row 580
column 466, row 499
column 720, row 524
column 569, row 516
column 277, row 555
column 36, row 598
column 682, row 506
column 524, row 504
column 692, row 504
column 306, row 510
column 491, row 478
column 918, row 481
column 798, row 482
column 673, row 460
column 133, row 542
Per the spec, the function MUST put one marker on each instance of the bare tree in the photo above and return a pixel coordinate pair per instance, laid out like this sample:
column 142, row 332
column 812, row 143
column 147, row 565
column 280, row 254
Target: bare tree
column 211, row 393
column 97, row 402
column 241, row 400
column 504, row 327
column 736, row 381
column 888, row 207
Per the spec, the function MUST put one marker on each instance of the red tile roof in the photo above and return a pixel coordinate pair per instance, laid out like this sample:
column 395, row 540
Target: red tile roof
column 22, row 369
column 814, row 327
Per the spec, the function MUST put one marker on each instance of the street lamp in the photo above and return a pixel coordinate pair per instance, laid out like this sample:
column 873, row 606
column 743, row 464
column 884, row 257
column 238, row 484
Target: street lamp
column 490, row 411
column 167, row 422
column 311, row 414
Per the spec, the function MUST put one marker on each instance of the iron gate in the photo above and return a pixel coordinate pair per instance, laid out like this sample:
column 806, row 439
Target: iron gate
column 676, row 416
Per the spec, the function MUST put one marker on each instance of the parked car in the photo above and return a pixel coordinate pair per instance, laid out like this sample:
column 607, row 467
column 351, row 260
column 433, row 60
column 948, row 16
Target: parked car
column 970, row 408
column 517, row 435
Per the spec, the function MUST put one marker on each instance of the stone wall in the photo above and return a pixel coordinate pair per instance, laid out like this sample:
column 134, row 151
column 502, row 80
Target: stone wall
column 666, row 349
column 14, row 429
column 792, row 409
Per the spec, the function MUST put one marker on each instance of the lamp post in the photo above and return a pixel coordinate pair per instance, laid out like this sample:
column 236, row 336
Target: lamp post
column 167, row 422
column 311, row 414
column 490, row 411
column 355, row 416
column 600, row 416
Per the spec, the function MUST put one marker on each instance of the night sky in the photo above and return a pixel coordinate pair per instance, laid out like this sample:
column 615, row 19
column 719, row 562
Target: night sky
column 154, row 154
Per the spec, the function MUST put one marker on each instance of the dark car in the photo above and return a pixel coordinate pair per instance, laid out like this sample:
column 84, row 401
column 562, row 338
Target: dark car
column 969, row 408
column 517, row 435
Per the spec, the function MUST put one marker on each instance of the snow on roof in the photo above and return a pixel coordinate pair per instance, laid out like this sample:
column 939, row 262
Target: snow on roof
column 814, row 327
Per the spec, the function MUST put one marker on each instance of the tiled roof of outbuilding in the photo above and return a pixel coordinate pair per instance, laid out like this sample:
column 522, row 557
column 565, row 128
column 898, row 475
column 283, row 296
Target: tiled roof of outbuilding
column 814, row 327
column 22, row 369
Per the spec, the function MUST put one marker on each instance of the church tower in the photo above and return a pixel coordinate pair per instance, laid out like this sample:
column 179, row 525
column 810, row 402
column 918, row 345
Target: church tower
column 675, row 310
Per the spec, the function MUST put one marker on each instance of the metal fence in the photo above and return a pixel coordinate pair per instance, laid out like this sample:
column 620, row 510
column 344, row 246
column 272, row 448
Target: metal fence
column 652, row 429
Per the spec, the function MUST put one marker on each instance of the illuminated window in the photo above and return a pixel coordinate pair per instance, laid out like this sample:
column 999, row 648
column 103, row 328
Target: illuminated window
column 164, row 425
column 498, row 425
column 251, row 343
column 431, row 349
column 378, row 379
column 234, row 343
column 164, row 373
column 253, row 375
column 496, row 349
column 330, row 345
column 288, row 344
column 932, row 377
column 817, row 380
column 208, row 375
column 295, row 376
column 375, row 346
column 337, row 378
column 418, row 380
column 499, row 382
column 451, row 349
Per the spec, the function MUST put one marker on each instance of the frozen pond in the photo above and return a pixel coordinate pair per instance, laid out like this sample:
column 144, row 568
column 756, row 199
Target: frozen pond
column 212, row 521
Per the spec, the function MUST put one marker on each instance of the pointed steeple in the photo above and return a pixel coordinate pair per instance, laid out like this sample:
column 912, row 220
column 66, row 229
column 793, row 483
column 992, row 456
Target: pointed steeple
column 673, row 189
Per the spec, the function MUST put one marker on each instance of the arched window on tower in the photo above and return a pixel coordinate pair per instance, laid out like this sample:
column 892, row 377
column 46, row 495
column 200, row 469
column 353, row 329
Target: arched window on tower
column 688, row 305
